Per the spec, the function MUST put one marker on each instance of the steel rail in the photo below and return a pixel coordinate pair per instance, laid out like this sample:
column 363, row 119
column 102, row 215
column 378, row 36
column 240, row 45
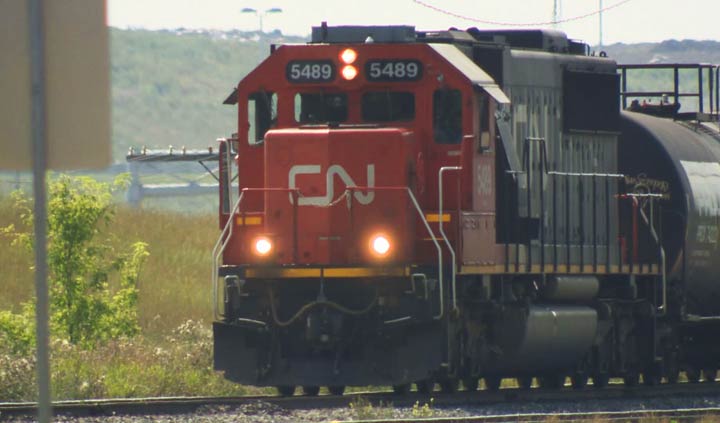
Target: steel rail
column 691, row 414
column 184, row 405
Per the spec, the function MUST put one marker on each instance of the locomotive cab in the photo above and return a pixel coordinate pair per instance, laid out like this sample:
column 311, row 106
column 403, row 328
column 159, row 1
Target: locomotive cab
column 356, row 148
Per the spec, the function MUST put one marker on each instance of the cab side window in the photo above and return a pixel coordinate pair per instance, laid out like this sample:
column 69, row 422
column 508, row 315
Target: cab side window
column 447, row 116
column 262, row 115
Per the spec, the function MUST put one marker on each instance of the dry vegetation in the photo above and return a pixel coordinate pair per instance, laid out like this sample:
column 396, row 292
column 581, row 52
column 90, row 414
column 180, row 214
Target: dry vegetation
column 174, row 281
column 173, row 354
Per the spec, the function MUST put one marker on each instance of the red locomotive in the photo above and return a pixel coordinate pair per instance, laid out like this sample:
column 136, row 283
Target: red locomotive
column 405, row 207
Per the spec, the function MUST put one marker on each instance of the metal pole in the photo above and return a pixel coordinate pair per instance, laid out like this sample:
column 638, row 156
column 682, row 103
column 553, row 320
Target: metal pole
column 600, row 34
column 39, row 147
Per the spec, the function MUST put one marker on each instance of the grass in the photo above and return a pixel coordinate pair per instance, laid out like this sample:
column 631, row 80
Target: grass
column 177, row 364
column 172, row 356
column 174, row 281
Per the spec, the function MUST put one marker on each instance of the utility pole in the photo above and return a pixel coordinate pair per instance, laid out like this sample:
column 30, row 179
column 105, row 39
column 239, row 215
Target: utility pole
column 600, row 13
column 260, row 15
column 36, row 24
column 557, row 13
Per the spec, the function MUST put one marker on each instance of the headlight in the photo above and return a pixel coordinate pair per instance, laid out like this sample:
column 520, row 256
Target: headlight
column 263, row 246
column 349, row 72
column 348, row 56
column 380, row 245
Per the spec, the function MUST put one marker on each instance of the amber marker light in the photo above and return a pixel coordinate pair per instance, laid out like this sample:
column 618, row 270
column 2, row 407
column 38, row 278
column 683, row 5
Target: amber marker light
column 348, row 56
column 349, row 72
column 380, row 245
column 262, row 246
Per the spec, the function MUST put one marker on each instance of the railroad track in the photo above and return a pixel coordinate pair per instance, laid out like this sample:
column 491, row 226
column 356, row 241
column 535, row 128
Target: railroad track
column 185, row 405
column 689, row 414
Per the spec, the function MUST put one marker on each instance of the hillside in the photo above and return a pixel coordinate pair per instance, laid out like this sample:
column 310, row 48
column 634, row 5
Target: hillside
column 669, row 51
column 168, row 86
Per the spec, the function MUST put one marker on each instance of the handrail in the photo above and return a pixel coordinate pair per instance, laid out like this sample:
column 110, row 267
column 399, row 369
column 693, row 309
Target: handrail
column 227, row 233
column 217, row 251
column 442, row 231
column 662, row 308
column 348, row 193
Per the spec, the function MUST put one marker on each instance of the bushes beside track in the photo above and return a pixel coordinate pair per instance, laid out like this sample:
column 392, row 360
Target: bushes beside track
column 171, row 354
column 177, row 364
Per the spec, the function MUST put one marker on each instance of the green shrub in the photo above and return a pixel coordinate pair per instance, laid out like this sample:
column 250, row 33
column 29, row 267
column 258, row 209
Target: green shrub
column 86, row 307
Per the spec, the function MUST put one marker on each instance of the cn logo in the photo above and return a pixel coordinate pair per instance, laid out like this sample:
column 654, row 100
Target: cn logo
column 362, row 198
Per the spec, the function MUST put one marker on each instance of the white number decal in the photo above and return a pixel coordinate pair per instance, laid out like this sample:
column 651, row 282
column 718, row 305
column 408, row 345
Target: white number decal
column 295, row 71
column 412, row 70
column 392, row 70
column 375, row 70
column 310, row 71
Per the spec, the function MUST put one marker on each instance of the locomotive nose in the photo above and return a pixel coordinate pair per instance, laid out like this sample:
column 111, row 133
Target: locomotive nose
column 347, row 186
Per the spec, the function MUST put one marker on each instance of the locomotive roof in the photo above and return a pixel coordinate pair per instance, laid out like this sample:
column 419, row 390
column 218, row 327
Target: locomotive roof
column 471, row 71
column 535, row 39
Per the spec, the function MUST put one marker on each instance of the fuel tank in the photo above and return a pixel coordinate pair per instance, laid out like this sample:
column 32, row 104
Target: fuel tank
column 681, row 161
column 542, row 338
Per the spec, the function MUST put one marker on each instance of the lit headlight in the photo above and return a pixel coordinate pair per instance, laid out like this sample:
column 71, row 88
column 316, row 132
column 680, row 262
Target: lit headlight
column 380, row 245
column 349, row 72
column 262, row 246
column 348, row 56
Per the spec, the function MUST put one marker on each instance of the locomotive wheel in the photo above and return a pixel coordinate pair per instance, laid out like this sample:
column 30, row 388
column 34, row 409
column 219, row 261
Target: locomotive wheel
column 401, row 389
column 492, row 383
column 524, row 382
column 471, row 383
column 672, row 369
column 552, row 381
column 631, row 378
column 311, row 391
column 710, row 375
column 601, row 380
column 652, row 377
column 449, row 386
column 425, row 386
column 336, row 390
column 693, row 375
column 285, row 390
column 579, row 381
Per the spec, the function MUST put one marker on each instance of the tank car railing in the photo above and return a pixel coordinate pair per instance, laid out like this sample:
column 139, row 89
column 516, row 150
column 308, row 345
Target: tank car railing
column 713, row 85
column 349, row 191
column 649, row 221
column 227, row 233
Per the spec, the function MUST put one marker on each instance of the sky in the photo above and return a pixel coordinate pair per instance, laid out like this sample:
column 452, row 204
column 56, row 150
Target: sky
column 627, row 21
